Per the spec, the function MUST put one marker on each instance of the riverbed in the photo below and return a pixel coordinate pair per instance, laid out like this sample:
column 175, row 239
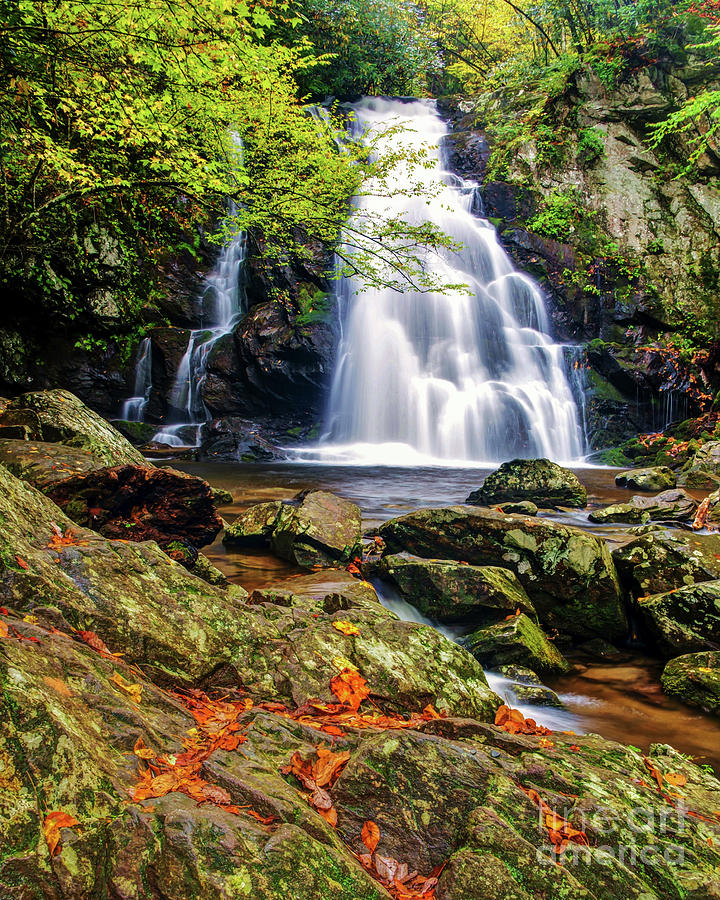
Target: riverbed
column 619, row 698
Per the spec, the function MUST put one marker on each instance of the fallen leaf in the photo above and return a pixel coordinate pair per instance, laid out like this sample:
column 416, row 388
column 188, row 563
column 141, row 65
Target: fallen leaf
column 142, row 751
column 4, row 632
column 346, row 628
column 350, row 688
column 133, row 690
column 21, row 562
column 675, row 778
column 370, row 835
column 52, row 824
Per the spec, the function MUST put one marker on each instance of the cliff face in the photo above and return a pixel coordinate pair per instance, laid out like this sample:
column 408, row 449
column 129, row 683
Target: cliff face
column 626, row 248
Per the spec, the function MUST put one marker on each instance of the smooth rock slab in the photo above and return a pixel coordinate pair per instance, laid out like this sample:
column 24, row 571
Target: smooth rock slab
column 42, row 464
column 567, row 573
column 516, row 641
column 695, row 679
column 446, row 590
column 684, row 620
column 540, row 481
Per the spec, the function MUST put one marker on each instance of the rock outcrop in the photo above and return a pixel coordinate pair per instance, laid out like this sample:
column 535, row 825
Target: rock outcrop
column 540, row 481
column 695, row 679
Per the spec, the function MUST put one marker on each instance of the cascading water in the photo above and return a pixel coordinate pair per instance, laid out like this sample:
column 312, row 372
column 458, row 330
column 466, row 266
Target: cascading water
column 133, row 408
column 222, row 305
column 451, row 376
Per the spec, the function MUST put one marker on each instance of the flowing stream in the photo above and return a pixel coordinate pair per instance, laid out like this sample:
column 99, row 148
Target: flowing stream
column 454, row 376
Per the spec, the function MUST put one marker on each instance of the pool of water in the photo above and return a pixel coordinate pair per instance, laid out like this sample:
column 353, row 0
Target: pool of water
column 620, row 698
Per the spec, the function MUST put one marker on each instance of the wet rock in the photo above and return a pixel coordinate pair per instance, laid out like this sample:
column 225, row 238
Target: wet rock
column 446, row 590
column 543, row 482
column 664, row 560
column 58, row 416
column 672, row 505
column 203, row 568
column 138, row 433
column 567, row 573
column 253, row 527
column 695, row 679
column 527, row 687
column 684, row 620
column 319, row 528
column 236, row 439
column 42, row 464
column 655, row 478
column 221, row 497
column 515, row 641
column 137, row 503
column 522, row 507
column 703, row 470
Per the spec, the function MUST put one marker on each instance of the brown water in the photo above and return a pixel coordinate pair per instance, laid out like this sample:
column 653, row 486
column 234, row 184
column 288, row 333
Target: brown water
column 619, row 699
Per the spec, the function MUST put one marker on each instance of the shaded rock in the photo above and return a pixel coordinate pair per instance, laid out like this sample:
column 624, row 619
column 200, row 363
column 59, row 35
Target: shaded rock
column 526, row 687
column 567, row 573
column 655, row 478
column 684, row 620
column 695, row 679
column 42, row 464
column 597, row 648
column 254, row 526
column 138, row 433
column 221, row 497
column 515, row 641
column 140, row 504
column 203, row 568
column 237, row 439
column 664, row 560
column 318, row 529
column 58, row 416
column 703, row 470
column 446, row 590
column 522, row 507
column 543, row 482
column 673, row 505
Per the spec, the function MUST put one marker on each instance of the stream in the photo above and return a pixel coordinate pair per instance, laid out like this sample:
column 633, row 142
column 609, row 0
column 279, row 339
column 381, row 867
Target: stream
column 619, row 698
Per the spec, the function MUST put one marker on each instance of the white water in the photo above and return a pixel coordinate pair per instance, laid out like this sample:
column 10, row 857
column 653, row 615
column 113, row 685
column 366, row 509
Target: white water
column 453, row 377
column 133, row 408
column 222, row 306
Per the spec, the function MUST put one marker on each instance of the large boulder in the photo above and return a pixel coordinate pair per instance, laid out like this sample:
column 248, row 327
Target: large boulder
column 43, row 464
column 567, row 573
column 655, row 478
column 318, row 528
column 695, row 679
column 684, row 620
column 516, row 641
column 447, row 590
column 138, row 503
column 540, row 481
column 664, row 560
column 703, row 470
column 58, row 416
column 254, row 526
column 673, row 505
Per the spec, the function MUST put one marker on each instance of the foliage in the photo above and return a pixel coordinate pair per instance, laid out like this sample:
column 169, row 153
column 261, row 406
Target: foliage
column 313, row 306
column 591, row 146
column 560, row 215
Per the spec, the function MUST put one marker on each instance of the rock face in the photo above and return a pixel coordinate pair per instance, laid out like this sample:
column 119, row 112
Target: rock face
column 445, row 590
column 540, row 481
column 318, row 529
column 516, row 641
column 567, row 573
column 685, row 620
column 672, row 505
column 58, row 416
column 656, row 478
column 695, row 679
column 665, row 560
column 137, row 503
column 703, row 470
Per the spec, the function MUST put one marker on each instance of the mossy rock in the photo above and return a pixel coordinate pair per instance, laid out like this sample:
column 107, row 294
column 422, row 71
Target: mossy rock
column 254, row 526
column 42, row 464
column 695, row 679
column 540, row 481
column 319, row 528
column 447, row 590
column 673, row 505
column 516, row 641
column 568, row 573
column 653, row 478
column 663, row 560
column 684, row 620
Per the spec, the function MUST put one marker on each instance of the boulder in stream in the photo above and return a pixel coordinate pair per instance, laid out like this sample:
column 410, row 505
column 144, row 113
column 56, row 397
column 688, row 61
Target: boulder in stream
column 540, row 481
column 318, row 528
column 653, row 478
column 665, row 559
column 253, row 527
column 447, row 590
column 672, row 505
column 516, row 641
column 527, row 687
column 567, row 573
column 695, row 679
column 683, row 620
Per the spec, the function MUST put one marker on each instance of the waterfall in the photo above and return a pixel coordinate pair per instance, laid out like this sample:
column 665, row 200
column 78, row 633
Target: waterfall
column 133, row 408
column 463, row 376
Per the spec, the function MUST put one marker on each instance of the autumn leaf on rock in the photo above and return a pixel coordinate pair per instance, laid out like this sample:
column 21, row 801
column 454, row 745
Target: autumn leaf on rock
column 350, row 688
column 141, row 751
column 4, row 631
column 370, row 835
column 21, row 562
column 54, row 821
column 676, row 778
column 133, row 690
column 92, row 640
column 346, row 628
column 514, row 722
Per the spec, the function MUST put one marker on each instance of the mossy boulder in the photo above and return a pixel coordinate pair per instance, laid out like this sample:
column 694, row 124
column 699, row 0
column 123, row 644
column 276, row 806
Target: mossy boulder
column 568, row 574
column 703, row 470
column 695, row 679
column 540, row 481
column 626, row 513
column 516, row 641
column 254, row 526
column 57, row 416
column 664, row 560
column 42, row 464
column 672, row 505
column 318, row 528
column 684, row 620
column 653, row 478
column 447, row 590
column 521, row 507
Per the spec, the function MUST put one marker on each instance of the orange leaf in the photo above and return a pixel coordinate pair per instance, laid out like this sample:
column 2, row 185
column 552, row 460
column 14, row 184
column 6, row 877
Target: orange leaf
column 350, row 688
column 330, row 815
column 142, row 751
column 675, row 778
column 4, row 632
column 346, row 628
column 134, row 690
column 21, row 562
column 54, row 821
column 370, row 835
